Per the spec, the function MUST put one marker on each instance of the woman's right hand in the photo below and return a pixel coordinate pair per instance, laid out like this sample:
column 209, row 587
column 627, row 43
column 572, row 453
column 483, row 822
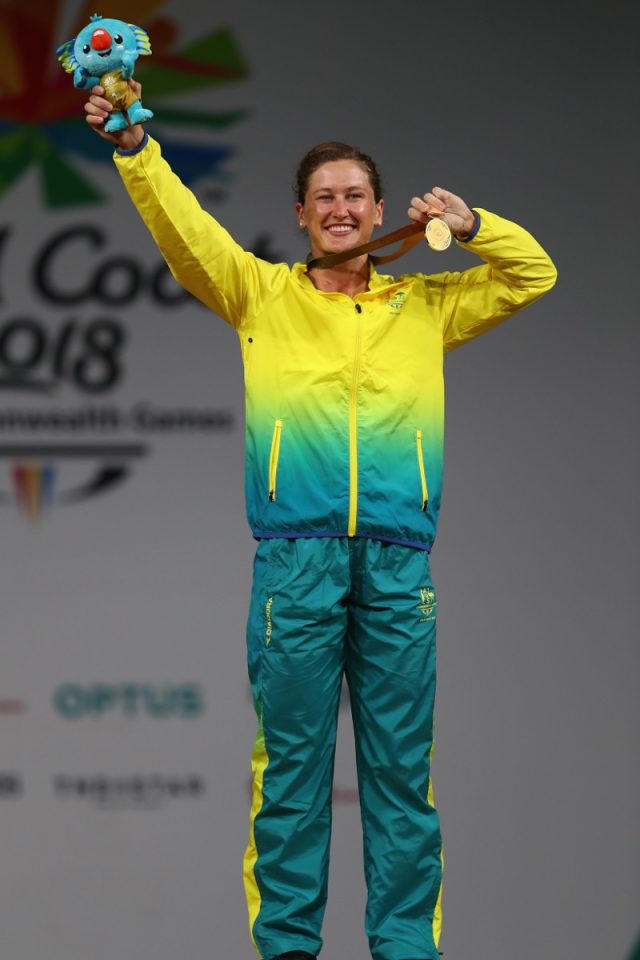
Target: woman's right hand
column 98, row 109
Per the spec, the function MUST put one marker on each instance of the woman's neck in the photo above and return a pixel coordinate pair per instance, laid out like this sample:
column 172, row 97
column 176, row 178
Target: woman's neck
column 350, row 278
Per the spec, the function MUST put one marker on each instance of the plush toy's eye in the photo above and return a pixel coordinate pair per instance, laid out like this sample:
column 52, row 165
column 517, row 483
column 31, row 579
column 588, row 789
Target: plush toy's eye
column 118, row 39
column 86, row 49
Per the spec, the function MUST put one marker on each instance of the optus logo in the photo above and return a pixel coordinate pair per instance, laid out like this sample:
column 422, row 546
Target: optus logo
column 75, row 702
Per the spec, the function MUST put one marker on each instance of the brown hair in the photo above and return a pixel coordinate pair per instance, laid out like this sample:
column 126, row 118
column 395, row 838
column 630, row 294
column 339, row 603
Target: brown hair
column 327, row 153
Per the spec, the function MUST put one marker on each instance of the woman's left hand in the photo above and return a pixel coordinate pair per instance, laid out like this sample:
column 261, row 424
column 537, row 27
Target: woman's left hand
column 445, row 206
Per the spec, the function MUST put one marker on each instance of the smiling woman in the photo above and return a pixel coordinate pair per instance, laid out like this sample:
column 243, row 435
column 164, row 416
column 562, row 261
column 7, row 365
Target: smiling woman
column 339, row 203
column 344, row 444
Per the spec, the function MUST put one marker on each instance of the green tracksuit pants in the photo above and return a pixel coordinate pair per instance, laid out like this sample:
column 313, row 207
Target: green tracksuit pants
column 321, row 607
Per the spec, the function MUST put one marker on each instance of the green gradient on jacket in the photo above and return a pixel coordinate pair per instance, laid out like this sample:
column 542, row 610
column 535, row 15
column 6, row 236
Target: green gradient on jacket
column 329, row 382
column 351, row 381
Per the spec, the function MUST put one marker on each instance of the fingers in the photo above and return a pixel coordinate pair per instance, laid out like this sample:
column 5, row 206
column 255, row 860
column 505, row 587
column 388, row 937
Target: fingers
column 435, row 202
column 97, row 108
column 422, row 209
column 458, row 215
column 95, row 115
column 444, row 196
column 444, row 205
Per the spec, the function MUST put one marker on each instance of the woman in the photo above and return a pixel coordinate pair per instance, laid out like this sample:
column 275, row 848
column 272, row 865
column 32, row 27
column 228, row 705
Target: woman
column 343, row 370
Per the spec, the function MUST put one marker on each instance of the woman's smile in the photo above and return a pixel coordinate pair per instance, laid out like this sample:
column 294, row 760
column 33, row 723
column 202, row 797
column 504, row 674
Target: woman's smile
column 339, row 206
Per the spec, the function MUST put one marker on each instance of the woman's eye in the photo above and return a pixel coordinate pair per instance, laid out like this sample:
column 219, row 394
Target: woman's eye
column 118, row 39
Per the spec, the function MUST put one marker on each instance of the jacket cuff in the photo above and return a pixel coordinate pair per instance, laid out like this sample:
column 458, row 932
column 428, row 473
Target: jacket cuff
column 141, row 146
column 476, row 227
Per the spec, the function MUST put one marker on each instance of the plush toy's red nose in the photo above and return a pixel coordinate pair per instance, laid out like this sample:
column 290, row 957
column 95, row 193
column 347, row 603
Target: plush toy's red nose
column 100, row 39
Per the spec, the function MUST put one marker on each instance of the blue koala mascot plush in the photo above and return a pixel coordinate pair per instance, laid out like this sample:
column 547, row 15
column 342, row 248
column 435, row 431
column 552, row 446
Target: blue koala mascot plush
column 105, row 52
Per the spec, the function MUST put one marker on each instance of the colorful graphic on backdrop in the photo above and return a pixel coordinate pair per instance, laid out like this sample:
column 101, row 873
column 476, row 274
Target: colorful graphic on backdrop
column 73, row 340
column 35, row 477
column 41, row 113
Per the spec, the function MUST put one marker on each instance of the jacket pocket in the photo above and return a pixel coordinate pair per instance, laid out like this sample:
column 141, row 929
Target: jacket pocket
column 423, row 475
column 273, row 459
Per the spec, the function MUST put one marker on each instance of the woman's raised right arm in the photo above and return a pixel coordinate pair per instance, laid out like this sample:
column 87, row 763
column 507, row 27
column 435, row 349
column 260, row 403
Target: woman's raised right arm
column 200, row 253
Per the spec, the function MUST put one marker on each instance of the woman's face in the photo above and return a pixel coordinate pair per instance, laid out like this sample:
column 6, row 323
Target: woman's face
column 339, row 210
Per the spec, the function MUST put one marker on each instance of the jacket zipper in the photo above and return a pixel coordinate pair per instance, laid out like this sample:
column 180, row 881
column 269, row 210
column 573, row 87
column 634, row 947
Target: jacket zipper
column 353, row 430
column 423, row 475
column 273, row 459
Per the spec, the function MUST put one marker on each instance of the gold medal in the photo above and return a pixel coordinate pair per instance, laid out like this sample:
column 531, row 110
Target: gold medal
column 437, row 234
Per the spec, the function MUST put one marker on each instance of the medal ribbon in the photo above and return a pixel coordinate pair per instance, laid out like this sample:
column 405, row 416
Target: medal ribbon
column 412, row 234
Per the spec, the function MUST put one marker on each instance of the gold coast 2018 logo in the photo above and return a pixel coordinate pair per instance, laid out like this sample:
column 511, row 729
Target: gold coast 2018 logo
column 40, row 112
column 64, row 287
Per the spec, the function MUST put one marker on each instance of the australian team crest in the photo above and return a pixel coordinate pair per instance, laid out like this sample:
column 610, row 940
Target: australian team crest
column 427, row 603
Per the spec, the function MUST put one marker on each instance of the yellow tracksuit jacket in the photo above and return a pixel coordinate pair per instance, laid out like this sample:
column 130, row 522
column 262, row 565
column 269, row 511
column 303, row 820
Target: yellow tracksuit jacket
column 344, row 397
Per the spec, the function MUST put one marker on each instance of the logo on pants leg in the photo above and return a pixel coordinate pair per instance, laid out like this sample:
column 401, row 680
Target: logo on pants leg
column 267, row 610
column 427, row 605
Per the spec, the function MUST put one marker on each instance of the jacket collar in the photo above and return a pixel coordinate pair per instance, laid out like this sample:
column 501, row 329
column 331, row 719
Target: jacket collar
column 377, row 281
